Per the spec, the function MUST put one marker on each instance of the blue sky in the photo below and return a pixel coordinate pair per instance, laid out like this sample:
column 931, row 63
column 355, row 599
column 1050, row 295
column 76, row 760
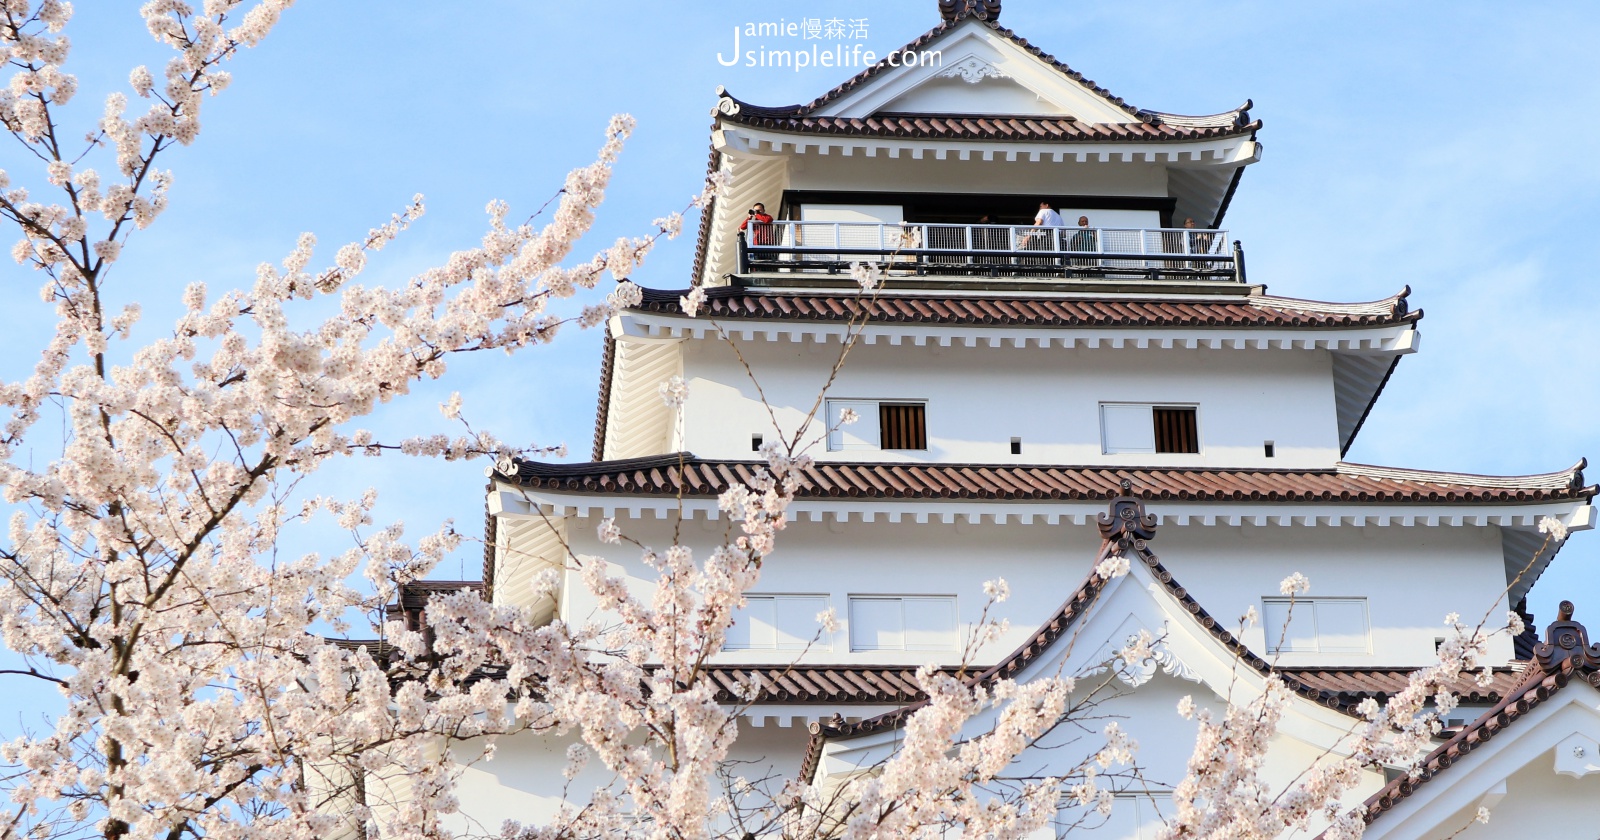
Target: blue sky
column 1448, row 146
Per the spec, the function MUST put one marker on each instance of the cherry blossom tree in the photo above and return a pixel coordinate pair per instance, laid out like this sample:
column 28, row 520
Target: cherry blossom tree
column 140, row 575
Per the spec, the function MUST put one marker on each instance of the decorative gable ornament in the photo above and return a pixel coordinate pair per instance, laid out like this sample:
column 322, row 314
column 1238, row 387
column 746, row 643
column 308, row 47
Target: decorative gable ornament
column 1136, row 673
column 973, row 70
column 1566, row 639
column 1577, row 756
column 954, row 10
column 1126, row 525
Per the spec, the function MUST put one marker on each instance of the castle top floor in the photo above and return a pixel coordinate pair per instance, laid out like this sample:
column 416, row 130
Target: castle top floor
column 939, row 158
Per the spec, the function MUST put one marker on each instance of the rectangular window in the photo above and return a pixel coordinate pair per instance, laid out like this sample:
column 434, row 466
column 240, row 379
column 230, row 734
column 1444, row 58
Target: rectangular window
column 777, row 622
column 1317, row 625
column 902, row 426
column 903, row 622
column 1134, row 816
column 1130, row 428
column 1177, row 430
column 880, row 425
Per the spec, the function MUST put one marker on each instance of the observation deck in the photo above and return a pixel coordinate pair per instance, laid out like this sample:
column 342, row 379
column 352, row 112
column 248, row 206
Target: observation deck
column 1000, row 256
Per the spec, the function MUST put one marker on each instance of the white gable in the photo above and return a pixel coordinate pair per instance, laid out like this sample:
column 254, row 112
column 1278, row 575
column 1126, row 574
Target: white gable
column 972, row 69
column 1539, row 778
column 1185, row 653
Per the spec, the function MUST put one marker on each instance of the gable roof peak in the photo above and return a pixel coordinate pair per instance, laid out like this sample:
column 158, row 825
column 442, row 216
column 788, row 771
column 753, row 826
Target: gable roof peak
column 954, row 10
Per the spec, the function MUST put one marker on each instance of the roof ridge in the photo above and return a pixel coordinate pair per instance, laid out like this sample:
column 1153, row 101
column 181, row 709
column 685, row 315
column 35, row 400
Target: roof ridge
column 683, row 472
column 1570, row 478
column 1233, row 116
column 1382, row 306
column 955, row 306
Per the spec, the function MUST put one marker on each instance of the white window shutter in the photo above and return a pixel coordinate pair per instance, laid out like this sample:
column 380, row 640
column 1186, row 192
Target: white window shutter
column 796, row 620
column 1342, row 625
column 1301, row 636
column 862, row 434
column 930, row 623
column 753, row 627
column 1127, row 429
column 876, row 624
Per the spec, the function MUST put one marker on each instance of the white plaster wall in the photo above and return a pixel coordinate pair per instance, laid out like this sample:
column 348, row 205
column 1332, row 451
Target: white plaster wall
column 1149, row 714
column 1043, row 565
column 988, row 96
column 996, row 177
column 980, row 397
column 1539, row 804
column 523, row 781
column 1411, row 577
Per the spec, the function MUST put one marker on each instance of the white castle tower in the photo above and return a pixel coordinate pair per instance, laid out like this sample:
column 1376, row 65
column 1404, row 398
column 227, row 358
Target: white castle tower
column 1013, row 379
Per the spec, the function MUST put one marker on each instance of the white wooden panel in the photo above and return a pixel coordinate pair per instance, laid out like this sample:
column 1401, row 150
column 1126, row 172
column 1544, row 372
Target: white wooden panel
column 754, row 627
column 930, row 623
column 1342, row 625
column 1127, row 429
column 862, row 434
column 796, row 619
column 1301, row 634
column 876, row 624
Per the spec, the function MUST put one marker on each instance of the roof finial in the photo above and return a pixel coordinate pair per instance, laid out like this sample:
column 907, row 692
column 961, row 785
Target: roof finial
column 1566, row 639
column 1126, row 523
column 954, row 10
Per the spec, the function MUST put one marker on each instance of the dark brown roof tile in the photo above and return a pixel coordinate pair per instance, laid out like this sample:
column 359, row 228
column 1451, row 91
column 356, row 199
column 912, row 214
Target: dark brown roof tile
column 730, row 302
column 668, row 474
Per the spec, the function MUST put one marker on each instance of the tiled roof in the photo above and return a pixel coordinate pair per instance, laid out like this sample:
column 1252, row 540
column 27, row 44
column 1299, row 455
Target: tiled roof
column 602, row 410
column 1352, row 685
column 989, row 127
column 896, row 684
column 1565, row 656
column 818, row 683
column 1253, row 311
column 691, row 476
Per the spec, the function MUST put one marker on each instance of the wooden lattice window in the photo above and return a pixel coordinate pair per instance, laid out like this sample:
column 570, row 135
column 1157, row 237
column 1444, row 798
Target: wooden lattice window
column 902, row 426
column 1176, row 430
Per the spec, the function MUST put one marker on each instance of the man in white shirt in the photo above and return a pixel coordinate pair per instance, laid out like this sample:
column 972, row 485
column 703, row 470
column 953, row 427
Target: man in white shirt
column 1043, row 240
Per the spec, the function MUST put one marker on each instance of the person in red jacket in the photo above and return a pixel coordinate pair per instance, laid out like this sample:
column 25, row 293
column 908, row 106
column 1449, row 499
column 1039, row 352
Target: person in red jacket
column 762, row 232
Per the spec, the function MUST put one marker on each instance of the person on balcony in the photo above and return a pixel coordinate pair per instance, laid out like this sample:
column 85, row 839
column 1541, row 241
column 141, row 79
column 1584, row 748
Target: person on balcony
column 1042, row 237
column 1200, row 242
column 1048, row 217
column 1177, row 242
column 762, row 232
column 1084, row 238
